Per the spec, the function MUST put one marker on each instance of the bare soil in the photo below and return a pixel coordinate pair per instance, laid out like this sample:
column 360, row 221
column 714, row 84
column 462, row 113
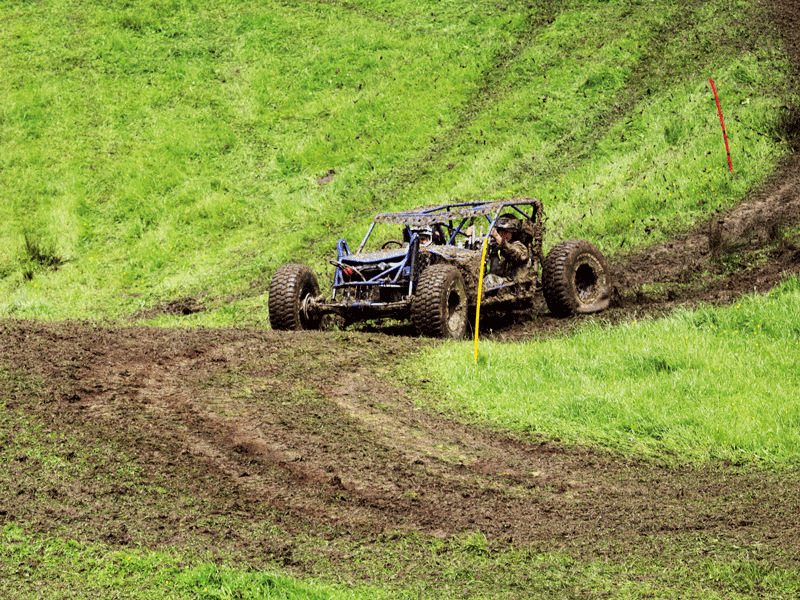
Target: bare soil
column 250, row 443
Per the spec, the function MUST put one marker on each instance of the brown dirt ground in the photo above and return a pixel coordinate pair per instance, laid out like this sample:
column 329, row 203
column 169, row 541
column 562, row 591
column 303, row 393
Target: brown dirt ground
column 249, row 441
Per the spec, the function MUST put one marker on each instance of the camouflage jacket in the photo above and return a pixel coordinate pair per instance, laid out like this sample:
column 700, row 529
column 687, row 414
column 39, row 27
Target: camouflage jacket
column 514, row 260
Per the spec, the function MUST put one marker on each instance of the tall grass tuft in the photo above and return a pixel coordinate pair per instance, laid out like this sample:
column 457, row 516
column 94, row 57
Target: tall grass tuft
column 38, row 253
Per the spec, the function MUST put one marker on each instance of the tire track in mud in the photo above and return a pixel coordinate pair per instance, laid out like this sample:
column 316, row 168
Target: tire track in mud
column 307, row 430
column 750, row 228
column 244, row 448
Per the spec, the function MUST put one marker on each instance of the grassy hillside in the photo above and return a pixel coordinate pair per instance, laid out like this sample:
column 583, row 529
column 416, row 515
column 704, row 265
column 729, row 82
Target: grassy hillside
column 160, row 159
column 178, row 152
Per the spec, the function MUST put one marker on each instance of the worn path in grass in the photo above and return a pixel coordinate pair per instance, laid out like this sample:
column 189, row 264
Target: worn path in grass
column 241, row 440
column 251, row 443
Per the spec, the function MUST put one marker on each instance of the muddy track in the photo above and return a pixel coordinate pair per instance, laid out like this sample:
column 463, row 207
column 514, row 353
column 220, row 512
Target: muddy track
column 305, row 433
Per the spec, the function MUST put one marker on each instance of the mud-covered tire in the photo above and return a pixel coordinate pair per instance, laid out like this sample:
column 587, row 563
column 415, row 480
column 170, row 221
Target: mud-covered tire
column 292, row 286
column 439, row 308
column 575, row 279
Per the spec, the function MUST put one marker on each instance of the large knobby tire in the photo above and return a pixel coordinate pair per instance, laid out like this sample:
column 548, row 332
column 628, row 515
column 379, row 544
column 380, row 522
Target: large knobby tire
column 575, row 279
column 292, row 288
column 439, row 308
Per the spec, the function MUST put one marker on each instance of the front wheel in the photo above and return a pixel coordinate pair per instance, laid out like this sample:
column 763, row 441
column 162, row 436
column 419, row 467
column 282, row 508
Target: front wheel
column 439, row 308
column 575, row 279
column 291, row 292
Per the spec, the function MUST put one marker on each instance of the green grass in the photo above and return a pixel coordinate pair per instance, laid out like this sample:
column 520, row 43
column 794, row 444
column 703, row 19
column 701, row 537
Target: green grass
column 172, row 150
column 705, row 383
column 41, row 567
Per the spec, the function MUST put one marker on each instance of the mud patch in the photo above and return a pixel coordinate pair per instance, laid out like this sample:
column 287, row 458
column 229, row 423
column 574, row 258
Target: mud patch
column 251, row 443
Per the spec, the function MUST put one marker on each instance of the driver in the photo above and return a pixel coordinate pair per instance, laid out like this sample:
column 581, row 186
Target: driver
column 425, row 237
column 429, row 235
column 513, row 260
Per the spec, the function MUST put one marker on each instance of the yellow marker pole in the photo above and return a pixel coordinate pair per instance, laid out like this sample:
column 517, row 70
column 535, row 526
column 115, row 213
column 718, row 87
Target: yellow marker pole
column 480, row 293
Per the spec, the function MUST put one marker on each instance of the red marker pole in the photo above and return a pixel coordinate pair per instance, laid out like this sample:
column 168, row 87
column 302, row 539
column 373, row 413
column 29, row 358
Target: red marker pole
column 722, row 122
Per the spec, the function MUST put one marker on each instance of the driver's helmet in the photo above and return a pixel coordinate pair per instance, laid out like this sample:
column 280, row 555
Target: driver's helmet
column 508, row 223
column 425, row 236
column 507, row 226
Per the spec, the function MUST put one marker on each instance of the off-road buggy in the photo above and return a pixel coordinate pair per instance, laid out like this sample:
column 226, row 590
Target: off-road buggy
column 426, row 265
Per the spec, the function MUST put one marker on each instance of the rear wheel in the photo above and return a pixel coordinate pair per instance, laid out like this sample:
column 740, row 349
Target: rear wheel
column 439, row 308
column 575, row 279
column 291, row 292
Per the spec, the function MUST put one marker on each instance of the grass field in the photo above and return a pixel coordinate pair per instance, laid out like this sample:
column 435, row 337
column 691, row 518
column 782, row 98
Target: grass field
column 176, row 151
column 179, row 151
